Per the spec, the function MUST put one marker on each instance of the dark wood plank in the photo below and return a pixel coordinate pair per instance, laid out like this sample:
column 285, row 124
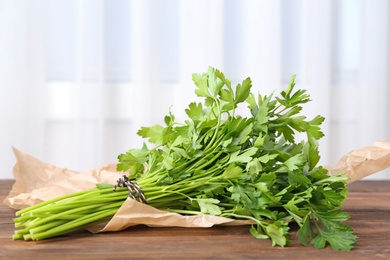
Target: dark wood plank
column 368, row 204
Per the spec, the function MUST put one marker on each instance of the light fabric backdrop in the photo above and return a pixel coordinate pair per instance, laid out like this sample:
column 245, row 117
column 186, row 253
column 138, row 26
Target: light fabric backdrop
column 78, row 78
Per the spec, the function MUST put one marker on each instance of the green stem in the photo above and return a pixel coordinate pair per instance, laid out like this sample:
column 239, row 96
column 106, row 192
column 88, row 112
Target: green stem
column 217, row 126
column 46, row 226
column 75, row 224
column 95, row 208
column 67, row 196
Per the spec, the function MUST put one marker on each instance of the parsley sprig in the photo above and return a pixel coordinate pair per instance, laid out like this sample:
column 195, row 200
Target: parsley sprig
column 221, row 163
column 250, row 167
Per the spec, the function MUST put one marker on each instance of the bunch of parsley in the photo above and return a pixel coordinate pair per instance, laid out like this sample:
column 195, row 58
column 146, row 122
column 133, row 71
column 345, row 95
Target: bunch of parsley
column 243, row 167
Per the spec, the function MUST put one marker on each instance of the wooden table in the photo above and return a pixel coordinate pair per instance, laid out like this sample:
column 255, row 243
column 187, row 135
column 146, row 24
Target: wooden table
column 368, row 204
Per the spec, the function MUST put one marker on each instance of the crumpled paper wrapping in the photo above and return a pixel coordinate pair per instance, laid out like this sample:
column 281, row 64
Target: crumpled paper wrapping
column 133, row 213
column 37, row 181
column 364, row 161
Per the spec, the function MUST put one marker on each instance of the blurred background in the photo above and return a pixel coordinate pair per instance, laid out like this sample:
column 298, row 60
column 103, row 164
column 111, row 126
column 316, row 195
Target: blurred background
column 78, row 78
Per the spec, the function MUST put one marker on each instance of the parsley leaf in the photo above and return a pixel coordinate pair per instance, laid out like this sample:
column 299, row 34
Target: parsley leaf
column 342, row 240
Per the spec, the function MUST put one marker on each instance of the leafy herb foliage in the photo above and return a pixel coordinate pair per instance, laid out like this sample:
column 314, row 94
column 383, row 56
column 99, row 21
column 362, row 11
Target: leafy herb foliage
column 220, row 163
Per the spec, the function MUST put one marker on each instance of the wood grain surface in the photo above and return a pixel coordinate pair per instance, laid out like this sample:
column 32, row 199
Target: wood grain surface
column 368, row 204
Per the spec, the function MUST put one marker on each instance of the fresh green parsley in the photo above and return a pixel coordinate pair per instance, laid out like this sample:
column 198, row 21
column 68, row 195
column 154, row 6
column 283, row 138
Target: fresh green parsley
column 221, row 163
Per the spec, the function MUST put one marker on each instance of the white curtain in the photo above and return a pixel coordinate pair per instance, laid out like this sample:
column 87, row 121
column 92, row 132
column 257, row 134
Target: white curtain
column 78, row 78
